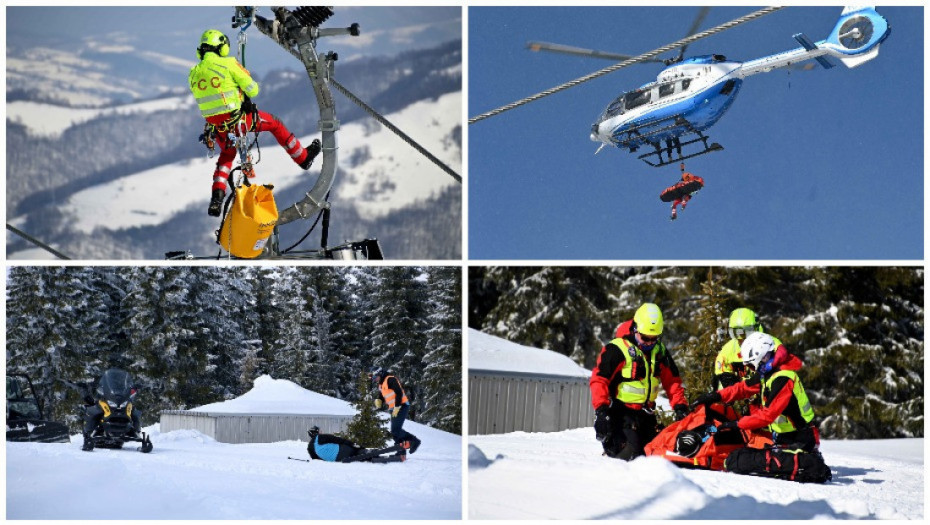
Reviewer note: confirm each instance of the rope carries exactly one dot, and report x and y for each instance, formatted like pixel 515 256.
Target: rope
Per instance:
pixel 368 109
pixel 610 69
pixel 38 243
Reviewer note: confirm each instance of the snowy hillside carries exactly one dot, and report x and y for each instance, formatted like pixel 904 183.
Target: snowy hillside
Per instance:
pixel 50 120
pixel 92 74
pixel 378 173
pixel 563 476
pixel 191 476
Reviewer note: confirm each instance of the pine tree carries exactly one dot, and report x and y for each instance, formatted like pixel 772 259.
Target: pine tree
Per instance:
pixel 365 428
pixel 442 375
pixel 696 356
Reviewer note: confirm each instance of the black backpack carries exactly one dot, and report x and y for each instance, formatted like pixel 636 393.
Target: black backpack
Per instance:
pixel 803 467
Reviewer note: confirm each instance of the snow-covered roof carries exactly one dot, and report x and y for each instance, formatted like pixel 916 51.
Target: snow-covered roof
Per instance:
pixel 279 396
pixel 489 353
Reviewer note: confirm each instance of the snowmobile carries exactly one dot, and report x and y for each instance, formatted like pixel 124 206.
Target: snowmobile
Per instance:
pixel 116 424
pixel 24 418
pixel 695 441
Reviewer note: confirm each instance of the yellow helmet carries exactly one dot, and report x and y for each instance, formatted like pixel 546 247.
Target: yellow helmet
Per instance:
pixel 742 323
pixel 213 41
pixel 648 319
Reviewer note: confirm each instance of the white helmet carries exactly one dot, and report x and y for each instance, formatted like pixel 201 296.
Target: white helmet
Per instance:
pixel 756 349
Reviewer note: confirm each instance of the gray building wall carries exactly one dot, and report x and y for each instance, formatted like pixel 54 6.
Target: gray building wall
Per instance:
pixel 251 428
pixel 500 402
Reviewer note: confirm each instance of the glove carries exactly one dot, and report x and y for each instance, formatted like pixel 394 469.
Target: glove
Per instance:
pixel 395 411
pixel 248 106
pixel 707 398
pixel 681 411
pixel 727 425
pixel 601 424
pixel 378 404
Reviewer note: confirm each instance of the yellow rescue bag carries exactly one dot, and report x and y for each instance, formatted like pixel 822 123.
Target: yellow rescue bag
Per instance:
pixel 250 221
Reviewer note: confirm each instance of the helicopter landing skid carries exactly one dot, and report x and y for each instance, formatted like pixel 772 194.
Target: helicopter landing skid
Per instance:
pixel 714 146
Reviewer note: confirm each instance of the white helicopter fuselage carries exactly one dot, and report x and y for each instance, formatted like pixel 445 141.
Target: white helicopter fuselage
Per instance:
pixel 692 95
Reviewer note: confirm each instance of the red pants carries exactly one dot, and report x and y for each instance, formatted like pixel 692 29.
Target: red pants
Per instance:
pixel 266 122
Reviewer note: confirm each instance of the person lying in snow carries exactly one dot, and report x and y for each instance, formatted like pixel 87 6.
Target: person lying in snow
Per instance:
pixel 328 447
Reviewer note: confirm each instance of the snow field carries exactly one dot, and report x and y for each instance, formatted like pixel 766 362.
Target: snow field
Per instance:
pixel 395 176
pixel 191 476
pixel 563 476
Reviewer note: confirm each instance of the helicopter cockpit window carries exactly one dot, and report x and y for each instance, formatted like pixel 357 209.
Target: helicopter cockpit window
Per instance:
pixel 615 108
pixel 666 89
pixel 685 83
pixel 637 98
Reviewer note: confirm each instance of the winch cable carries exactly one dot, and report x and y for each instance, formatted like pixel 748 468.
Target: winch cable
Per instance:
pixel 610 69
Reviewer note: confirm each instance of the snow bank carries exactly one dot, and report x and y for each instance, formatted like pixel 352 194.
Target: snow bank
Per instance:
pixel 279 396
pixel 564 476
pixel 486 352
pixel 190 476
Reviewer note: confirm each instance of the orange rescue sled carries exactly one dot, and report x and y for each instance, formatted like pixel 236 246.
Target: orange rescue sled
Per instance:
pixel 715 445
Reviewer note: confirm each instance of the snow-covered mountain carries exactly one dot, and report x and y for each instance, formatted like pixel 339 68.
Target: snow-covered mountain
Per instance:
pixel 190 476
pixel 130 180
pixel 563 475
pixel 93 75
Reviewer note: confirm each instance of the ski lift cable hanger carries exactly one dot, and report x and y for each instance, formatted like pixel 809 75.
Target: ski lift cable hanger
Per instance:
pixel 635 60
pixel 371 111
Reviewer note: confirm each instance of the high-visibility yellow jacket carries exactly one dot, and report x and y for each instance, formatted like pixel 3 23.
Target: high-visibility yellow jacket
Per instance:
pixel 218 84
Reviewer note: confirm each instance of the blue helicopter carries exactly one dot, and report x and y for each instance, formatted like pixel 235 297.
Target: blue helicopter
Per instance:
pixel 691 95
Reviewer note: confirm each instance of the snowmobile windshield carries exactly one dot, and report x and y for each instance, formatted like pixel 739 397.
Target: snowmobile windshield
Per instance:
pixel 115 386
pixel 20 402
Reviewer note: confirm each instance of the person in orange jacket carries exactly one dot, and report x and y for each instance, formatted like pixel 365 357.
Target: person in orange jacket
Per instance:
pixel 391 396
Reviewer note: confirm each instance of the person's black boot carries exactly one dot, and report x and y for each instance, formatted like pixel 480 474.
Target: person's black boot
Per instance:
pixel 216 203
pixel 414 443
pixel 312 152
pixel 88 443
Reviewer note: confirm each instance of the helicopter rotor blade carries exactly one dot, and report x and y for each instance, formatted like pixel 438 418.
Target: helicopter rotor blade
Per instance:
pixel 578 51
pixel 702 14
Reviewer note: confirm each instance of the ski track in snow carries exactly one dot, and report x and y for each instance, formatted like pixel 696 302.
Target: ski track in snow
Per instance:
pixel 563 476
pixel 191 476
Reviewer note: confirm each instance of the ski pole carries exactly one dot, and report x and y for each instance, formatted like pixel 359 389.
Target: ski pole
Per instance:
pixel 298 459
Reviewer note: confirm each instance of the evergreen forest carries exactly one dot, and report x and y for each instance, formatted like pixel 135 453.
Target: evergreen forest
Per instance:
pixel 196 335
pixel 858 330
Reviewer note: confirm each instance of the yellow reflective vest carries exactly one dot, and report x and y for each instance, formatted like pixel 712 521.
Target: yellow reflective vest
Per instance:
pixel 782 424
pixel 218 84
pixel 638 391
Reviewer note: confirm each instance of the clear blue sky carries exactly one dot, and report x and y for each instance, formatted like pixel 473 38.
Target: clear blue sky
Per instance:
pixel 823 164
